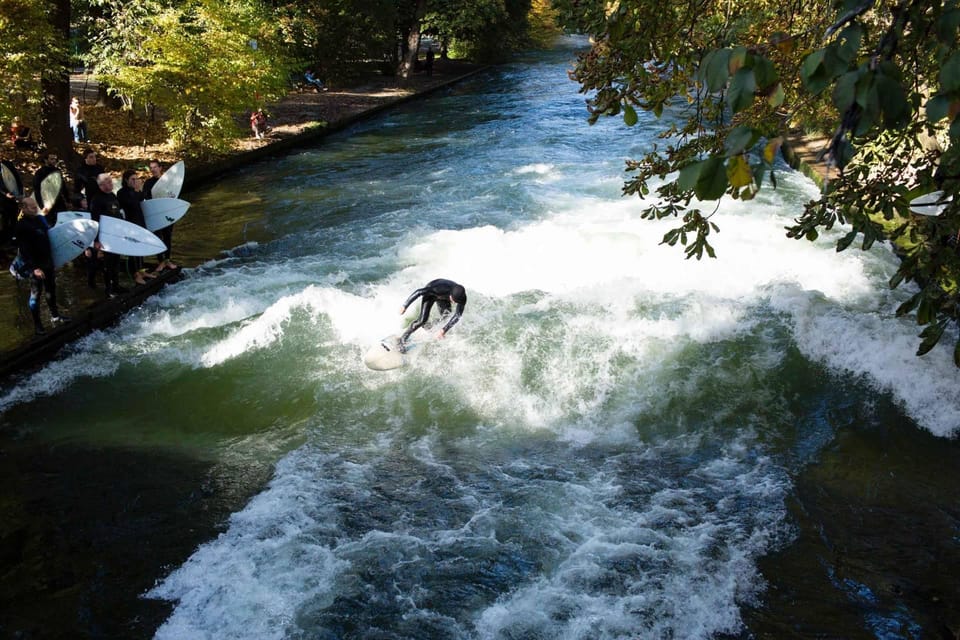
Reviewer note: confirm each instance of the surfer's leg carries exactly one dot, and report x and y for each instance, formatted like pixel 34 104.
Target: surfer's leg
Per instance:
pixel 36 288
pixel 50 284
pixel 425 307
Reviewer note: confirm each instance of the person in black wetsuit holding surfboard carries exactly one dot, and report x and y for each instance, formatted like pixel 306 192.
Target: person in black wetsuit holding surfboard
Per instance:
pixel 35 262
pixel 443 293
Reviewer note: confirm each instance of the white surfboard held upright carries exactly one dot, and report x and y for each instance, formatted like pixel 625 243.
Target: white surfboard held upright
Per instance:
pixel 68 238
pixel 170 183
pixel 128 239
pixel 159 213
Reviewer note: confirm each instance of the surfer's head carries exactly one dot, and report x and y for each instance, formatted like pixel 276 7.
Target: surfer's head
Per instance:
pixel 105 182
pixel 130 178
pixel 29 206
pixel 458 294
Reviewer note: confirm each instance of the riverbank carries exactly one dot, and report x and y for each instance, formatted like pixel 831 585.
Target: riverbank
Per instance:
pixel 301 119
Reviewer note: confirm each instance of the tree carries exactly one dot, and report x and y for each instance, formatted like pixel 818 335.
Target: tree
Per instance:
pixel 200 62
pixel 33 63
pixel 884 81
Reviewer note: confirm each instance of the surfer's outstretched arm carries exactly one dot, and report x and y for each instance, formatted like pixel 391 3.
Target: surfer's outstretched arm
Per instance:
pixel 413 296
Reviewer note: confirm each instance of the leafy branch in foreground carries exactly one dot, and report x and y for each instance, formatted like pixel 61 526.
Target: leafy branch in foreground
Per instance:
pixel 731 81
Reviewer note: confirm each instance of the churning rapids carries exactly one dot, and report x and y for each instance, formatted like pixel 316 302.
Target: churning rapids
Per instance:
pixel 608 445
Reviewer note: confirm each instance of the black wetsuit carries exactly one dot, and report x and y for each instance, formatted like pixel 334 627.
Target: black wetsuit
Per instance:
pixel 34 245
pixel 130 200
pixel 106 204
pixel 86 179
pixel 436 292
pixel 165 234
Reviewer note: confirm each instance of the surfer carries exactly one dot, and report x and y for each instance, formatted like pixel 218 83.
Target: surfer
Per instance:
pixel 441 292
pixel 130 197
pixel 35 262
pixel 165 234
pixel 87 173
pixel 105 203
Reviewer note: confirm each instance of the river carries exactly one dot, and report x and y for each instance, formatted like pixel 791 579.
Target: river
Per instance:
pixel 614 442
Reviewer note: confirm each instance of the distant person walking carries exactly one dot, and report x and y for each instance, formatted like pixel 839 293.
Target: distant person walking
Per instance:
pixel 77 124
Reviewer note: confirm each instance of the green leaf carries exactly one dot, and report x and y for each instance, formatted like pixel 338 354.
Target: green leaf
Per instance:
pixel 738 58
pixel 776 98
pixel 742 88
pixel 629 115
pixel 714 71
pixel 849 42
pixel 844 92
pixel 846 241
pixel 955 130
pixel 925 311
pixel 931 336
pixel 893 100
pixel 764 71
pixel 938 107
pixel 812 72
pixel 909 305
pixel 950 73
pixel 689 175
pixel 740 139
pixel 712 182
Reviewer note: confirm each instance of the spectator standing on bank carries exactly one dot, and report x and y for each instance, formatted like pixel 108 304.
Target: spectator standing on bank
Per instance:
pixel 130 196
pixel 104 203
pixel 77 124
pixel 165 234
pixel 258 123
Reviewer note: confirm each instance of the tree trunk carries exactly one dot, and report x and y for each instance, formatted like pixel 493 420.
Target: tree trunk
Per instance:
pixel 55 132
pixel 408 63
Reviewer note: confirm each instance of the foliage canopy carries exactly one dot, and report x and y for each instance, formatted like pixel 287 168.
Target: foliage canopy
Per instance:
pixel 882 78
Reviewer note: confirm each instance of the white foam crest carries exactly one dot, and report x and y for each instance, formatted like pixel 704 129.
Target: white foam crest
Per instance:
pixel 251 581
pixel 59 375
pixel 540 168
pixel 587 249
pixel 630 569
pixel 871 343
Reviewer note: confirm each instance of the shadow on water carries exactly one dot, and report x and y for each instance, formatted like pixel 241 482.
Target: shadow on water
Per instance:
pixel 78 545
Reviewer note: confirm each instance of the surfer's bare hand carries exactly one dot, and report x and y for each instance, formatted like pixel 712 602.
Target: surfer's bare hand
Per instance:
pixel 403 310
pixel 440 334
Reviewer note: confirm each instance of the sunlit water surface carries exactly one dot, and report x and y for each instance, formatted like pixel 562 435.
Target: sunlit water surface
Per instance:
pixel 604 447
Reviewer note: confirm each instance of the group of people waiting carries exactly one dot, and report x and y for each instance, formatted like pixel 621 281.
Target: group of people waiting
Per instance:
pixel 27 218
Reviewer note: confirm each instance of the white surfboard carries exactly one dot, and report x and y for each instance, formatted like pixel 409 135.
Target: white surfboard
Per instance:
pixel 169 184
pixel 386 355
pixel 68 239
pixel 930 204
pixel 159 213
pixel 69 216
pixel 10 181
pixel 128 239
pixel 50 188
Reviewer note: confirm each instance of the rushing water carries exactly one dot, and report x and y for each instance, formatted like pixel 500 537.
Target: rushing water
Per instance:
pixel 614 442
